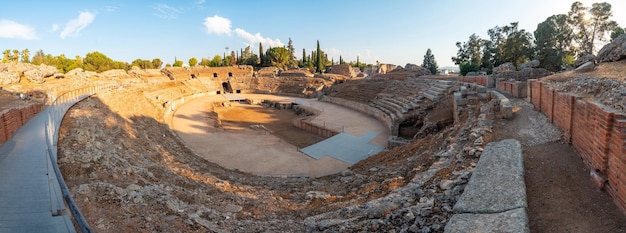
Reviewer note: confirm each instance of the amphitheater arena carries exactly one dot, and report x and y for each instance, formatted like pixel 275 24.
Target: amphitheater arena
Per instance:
pixel 230 149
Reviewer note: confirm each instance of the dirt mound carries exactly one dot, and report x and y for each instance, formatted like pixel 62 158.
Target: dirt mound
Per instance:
pixel 606 84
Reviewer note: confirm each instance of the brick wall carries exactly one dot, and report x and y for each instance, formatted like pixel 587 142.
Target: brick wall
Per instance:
pixel 597 133
pixel 564 113
pixel 12 119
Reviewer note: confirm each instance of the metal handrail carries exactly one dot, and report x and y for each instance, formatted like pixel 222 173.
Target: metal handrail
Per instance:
pixel 56 110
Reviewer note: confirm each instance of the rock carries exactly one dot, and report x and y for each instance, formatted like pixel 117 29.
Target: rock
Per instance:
pixel 509 221
pixel 504 68
pixel 346 172
pixel 116 73
pixel 479 141
pixel 446 184
pixel 34 76
pixel 588 66
pixel 47 71
pixel 77 73
pixel 497 183
pixel 316 195
pixel 597 179
pixel 421 70
pixel 8 78
pixel 584 59
pixel 613 51
pixel 531 64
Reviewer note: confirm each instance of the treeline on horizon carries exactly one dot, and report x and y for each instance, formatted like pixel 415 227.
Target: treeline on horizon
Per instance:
pixel 281 57
pixel 556 43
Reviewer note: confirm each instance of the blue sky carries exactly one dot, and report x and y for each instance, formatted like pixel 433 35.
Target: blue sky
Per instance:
pixel 396 31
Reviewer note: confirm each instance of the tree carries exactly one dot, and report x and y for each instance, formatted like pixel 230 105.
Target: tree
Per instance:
pixel 553 39
pixel 39 57
pixel 429 62
pixel 233 58
pixel 205 62
pixel 261 55
pixel 279 57
pixel 193 61
pixel 98 62
pixel 6 56
pixel 248 58
pixel 318 59
pixel 177 63
pixel 469 51
pixel 16 56
pixel 590 25
pixel 293 62
pixel 143 64
pixel 157 63
pixel 517 48
pixel 25 56
pixel 467 66
pixel 216 61
pixel 618 31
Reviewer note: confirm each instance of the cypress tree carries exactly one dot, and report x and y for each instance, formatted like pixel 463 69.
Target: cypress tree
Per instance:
pixel 261 57
pixel 318 59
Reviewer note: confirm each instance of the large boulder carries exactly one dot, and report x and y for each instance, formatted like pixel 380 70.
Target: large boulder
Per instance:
pixel 613 51
pixel 115 73
pixel 584 59
pixel 531 64
pixel 38 74
pixel 588 66
pixel 8 78
pixel 48 71
pixel 34 76
pixel 420 70
pixel 77 73
pixel 506 67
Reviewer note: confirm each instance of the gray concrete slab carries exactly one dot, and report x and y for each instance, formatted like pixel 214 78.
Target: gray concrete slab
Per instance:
pixel 497 183
pixel 345 147
pixel 510 221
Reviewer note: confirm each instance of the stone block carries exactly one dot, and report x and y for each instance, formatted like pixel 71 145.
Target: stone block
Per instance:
pixel 510 221
pixel 497 183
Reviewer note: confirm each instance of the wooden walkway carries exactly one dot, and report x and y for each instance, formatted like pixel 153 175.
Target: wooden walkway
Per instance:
pixel 30 198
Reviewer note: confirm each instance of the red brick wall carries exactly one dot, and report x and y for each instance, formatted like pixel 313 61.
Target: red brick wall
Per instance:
pixel 563 113
pixel 617 161
pixel 547 101
pixel 596 132
pixel 591 134
pixel 12 119
pixel 535 99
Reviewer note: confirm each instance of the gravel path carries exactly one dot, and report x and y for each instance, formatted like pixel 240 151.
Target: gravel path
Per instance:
pixel 560 195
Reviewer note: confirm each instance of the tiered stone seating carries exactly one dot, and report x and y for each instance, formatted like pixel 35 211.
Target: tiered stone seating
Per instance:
pixel 436 89
pixel 195 85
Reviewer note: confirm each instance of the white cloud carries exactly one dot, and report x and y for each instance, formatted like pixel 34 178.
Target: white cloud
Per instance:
pixel 165 11
pixel 14 30
pixel 256 38
pixel 200 2
pixel 217 25
pixel 74 26
pixel 221 26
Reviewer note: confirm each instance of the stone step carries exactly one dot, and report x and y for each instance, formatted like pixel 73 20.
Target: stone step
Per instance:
pixel 432 97
pixel 390 106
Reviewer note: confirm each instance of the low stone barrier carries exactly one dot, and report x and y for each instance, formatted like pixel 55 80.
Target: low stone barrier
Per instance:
pixel 494 200
pixel 369 110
